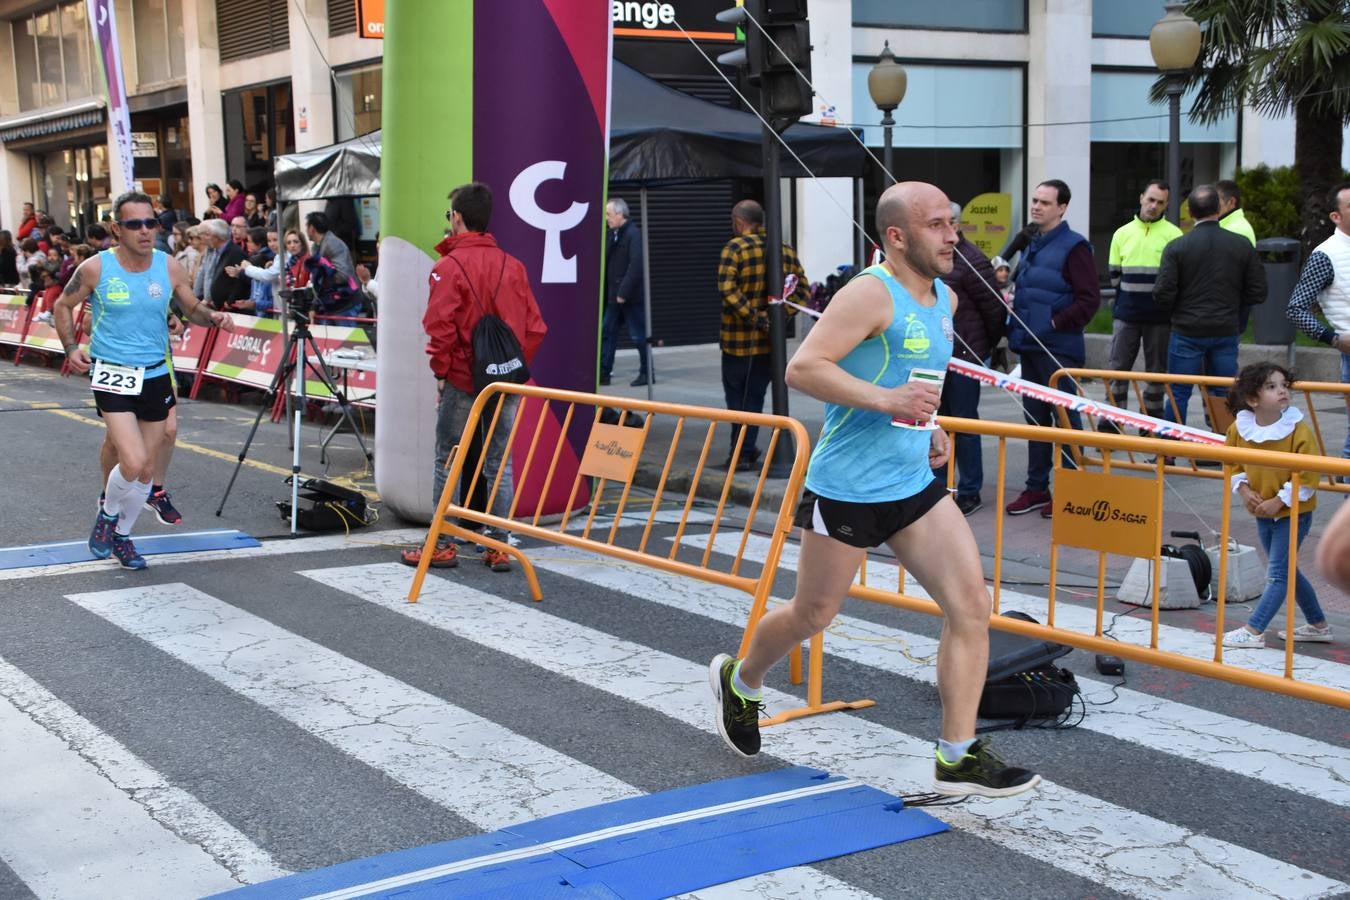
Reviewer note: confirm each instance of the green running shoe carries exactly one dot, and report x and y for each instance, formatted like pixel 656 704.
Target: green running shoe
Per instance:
pixel 980 773
pixel 737 718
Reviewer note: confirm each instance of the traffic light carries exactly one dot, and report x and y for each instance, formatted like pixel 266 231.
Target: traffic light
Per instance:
pixel 780 41
pixel 784 94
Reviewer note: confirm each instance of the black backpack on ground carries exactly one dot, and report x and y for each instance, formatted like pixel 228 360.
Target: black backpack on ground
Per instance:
pixel 496 352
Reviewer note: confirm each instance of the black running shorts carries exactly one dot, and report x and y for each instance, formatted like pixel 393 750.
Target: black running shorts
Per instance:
pixel 152 404
pixel 866 524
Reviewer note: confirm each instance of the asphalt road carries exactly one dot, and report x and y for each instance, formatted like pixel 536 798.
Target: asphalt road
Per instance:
pixel 221 719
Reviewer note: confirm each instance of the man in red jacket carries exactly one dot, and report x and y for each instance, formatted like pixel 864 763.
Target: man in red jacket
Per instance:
pixel 473 276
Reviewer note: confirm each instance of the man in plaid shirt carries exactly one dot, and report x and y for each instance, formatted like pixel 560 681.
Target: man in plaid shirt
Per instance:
pixel 747 367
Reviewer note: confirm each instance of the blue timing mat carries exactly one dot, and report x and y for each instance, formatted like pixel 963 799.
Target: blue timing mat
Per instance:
pixel 644 847
pixel 148 545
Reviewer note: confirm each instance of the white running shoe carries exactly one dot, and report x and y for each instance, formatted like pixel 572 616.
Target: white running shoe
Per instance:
pixel 46 318
pixel 1306 632
pixel 1241 638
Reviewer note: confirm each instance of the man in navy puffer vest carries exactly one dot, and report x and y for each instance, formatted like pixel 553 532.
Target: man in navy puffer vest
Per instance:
pixel 1057 295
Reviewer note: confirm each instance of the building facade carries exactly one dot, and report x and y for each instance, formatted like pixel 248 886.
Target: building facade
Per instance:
pixel 1001 95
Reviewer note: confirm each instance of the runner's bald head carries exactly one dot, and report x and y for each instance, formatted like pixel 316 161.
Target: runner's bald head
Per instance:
pixel 897 205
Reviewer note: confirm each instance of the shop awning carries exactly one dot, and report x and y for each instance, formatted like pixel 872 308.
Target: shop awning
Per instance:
pixel 52 121
pixel 657 135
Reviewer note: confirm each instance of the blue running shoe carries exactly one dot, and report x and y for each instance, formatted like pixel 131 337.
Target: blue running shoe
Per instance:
pixel 101 538
pixel 126 554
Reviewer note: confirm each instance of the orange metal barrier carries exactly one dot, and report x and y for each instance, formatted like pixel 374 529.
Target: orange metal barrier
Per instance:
pixel 1147 494
pixel 1215 406
pixel 614 452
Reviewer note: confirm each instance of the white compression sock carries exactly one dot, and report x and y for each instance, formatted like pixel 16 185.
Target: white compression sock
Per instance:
pixel 132 505
pixel 115 491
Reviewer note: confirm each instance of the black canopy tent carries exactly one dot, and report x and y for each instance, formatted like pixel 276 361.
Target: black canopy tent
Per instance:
pixel 658 136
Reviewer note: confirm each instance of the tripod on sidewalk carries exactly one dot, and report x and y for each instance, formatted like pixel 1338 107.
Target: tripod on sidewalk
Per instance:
pixel 296 361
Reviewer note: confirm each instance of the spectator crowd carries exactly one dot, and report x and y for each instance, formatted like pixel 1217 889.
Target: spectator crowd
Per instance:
pixel 237 255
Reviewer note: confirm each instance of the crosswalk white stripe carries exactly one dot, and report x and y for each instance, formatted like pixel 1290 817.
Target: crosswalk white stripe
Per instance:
pixel 274 547
pixel 169 805
pixel 1129 629
pixel 70 832
pixel 1311 767
pixel 1129 851
pixel 443 752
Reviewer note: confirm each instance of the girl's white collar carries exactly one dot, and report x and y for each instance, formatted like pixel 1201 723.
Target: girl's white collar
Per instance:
pixel 1276 431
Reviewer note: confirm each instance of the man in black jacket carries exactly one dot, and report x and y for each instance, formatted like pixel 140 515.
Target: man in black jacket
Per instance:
pixel 224 289
pixel 980 321
pixel 1205 278
pixel 623 291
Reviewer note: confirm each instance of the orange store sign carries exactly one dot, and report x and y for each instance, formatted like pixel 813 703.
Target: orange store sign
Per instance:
pixel 370 18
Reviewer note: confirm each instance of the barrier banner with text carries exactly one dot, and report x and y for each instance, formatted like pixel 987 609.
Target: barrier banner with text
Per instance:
pixel 13 310
pixel 249 354
pixel 190 346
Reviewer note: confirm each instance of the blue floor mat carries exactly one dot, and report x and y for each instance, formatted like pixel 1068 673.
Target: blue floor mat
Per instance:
pixel 644 847
pixel 148 545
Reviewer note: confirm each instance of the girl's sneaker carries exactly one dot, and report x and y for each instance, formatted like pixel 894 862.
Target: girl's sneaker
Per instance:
pixel 1241 638
pixel 1306 632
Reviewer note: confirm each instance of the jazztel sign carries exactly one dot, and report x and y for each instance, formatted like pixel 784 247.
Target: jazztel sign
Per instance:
pixel 1110 513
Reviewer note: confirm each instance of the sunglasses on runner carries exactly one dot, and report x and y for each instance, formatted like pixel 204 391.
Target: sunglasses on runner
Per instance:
pixel 138 224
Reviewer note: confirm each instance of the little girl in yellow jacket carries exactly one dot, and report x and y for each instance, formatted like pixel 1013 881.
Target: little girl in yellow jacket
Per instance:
pixel 1265 421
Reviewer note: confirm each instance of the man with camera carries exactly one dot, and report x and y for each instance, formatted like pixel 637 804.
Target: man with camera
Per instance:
pixel 474 277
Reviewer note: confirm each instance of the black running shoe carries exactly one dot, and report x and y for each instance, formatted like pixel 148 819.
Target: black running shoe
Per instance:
pixel 159 504
pixel 980 773
pixel 737 718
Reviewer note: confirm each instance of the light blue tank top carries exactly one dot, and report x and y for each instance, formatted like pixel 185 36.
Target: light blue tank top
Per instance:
pixel 861 457
pixel 129 310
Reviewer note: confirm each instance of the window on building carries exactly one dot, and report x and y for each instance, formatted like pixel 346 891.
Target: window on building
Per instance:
pixel 77 53
pixel 53 57
pixel 257 129
pixel 158 27
pixel 958 127
pixel 961 15
pixel 341 17
pixel 150 21
pixel 251 28
pixel 360 98
pixel 1112 18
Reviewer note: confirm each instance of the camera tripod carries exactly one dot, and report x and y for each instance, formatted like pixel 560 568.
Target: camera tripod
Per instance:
pixel 295 361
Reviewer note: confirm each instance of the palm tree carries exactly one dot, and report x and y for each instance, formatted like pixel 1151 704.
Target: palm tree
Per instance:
pixel 1279 56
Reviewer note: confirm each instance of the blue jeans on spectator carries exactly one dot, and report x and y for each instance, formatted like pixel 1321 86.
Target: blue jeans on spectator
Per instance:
pixel 452 414
pixel 1038 367
pixel 633 315
pixel 961 397
pixel 1191 355
pixel 745 379
pixel 1274 537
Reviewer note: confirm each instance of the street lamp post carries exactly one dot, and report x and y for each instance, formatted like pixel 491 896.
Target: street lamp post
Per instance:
pixel 1174 42
pixel 886 83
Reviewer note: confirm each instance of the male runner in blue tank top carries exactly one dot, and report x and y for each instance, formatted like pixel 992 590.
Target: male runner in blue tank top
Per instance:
pixel 870 482
pixel 129 288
